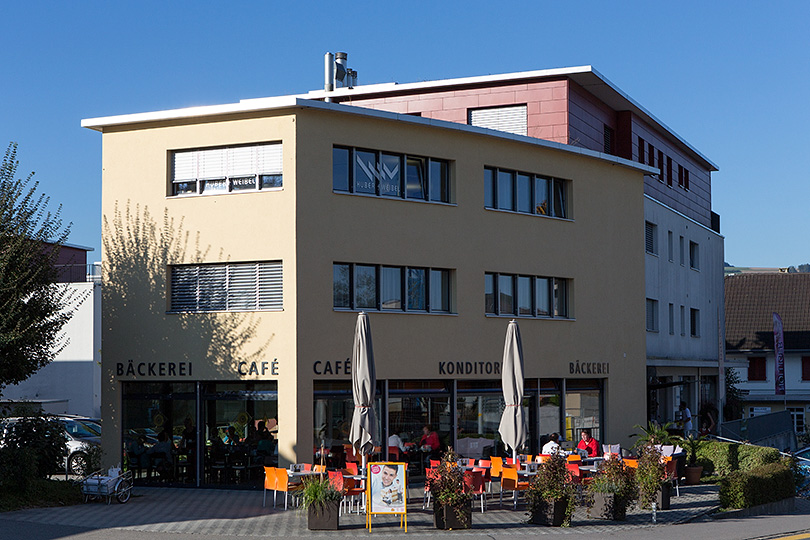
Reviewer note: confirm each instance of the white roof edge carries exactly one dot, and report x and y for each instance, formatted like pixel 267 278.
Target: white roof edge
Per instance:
pixel 190 112
pixel 77 246
pixel 255 104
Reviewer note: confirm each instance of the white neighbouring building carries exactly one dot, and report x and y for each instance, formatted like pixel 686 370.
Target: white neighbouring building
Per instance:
pixel 71 384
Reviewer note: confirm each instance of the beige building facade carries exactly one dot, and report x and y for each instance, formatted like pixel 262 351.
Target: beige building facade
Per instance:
pixel 241 241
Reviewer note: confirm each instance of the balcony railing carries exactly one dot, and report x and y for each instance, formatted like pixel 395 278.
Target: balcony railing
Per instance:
pixel 77 273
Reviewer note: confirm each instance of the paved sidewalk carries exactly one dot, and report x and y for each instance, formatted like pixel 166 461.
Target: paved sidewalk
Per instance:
pixel 240 513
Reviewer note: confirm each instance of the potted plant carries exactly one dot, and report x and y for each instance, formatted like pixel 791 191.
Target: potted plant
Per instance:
pixel 452 494
pixel 322 502
pixel 654 433
pixel 692 471
pixel 653 486
pixel 612 490
pixel 552 494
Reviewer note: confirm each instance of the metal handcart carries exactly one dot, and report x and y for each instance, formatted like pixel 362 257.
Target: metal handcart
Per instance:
pixel 113 485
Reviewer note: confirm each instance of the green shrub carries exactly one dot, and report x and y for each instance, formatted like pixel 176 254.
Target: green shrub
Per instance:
pixel 45 437
pixel 718 458
pixel 751 457
pixel 768 483
pixel 18 469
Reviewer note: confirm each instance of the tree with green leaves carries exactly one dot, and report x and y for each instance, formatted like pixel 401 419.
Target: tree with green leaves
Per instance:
pixel 33 306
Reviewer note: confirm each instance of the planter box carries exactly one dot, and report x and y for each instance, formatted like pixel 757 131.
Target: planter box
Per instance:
pixel 446 517
pixel 550 513
pixel 324 517
pixel 606 506
pixel 662 498
pixel 693 475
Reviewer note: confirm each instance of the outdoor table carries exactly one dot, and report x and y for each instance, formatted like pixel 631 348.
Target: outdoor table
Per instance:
pixel 527 473
pixel 592 469
pixel 592 460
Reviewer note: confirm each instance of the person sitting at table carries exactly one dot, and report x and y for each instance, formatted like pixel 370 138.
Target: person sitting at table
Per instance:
pixel 553 445
pixel 231 437
pixel 396 440
pixel 160 457
pixel 588 443
pixel 430 440
pixel 265 449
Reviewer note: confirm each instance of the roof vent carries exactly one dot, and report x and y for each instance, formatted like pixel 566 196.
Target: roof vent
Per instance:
pixel 337 73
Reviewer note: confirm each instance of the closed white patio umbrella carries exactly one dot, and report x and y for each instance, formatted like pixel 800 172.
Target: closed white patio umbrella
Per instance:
pixel 364 384
pixel 513 425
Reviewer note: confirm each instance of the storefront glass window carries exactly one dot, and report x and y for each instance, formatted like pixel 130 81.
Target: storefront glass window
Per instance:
pixel 583 408
pixel 333 410
pixel 235 453
pixel 153 420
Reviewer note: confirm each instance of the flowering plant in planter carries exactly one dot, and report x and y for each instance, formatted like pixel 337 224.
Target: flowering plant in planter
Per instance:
pixel 450 489
pixel 613 490
pixel 650 474
pixel 552 493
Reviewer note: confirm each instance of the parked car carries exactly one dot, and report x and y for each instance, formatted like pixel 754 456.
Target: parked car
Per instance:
pixel 79 436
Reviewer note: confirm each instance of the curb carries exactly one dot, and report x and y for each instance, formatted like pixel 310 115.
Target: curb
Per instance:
pixel 785 506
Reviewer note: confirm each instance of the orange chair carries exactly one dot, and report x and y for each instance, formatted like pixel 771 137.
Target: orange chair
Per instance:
pixel 475 479
pixel 495 470
pixel 393 453
pixel 510 482
pixel 573 457
pixel 283 484
pixel 632 463
pixel 269 483
pixel 319 468
pixel 336 481
pixel 352 467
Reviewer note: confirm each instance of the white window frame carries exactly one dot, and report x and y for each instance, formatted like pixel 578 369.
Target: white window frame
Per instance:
pixel 230 166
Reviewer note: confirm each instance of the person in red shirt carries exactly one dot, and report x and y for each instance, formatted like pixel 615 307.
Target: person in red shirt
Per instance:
pixel 588 443
pixel 430 439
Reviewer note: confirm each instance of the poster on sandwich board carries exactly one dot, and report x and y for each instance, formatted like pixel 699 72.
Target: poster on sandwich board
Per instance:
pixel 387 490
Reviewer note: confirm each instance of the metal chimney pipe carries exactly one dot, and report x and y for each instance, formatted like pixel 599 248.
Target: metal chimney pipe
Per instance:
pixel 341 68
pixel 352 78
pixel 328 73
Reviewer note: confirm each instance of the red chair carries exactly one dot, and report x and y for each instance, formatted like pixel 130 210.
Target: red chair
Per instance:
pixel 434 463
pixel 352 488
pixel 393 453
pixel 486 465
pixel 352 467
pixel 671 471
pixel 475 479
pixel 576 474
pixel 307 467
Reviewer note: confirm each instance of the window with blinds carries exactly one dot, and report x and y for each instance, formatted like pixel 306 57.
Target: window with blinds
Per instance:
pixel 512 119
pixel 226 287
pixel 226 170
pixel 652 315
pixel 650 238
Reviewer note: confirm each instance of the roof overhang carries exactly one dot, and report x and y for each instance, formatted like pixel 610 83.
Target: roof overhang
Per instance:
pixel 291 102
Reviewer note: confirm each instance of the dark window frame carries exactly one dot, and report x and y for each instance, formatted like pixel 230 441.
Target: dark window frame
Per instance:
pixel 557 296
pixel 429 184
pixel 555 202
pixel 447 295
pixel 757 368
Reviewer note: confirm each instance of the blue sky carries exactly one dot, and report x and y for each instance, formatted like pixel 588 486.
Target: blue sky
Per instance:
pixel 732 78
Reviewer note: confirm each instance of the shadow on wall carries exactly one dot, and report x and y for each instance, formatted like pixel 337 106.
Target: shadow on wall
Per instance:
pixel 138 252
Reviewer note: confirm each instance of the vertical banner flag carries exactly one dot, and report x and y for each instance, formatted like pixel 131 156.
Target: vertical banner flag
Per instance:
pixel 779 351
